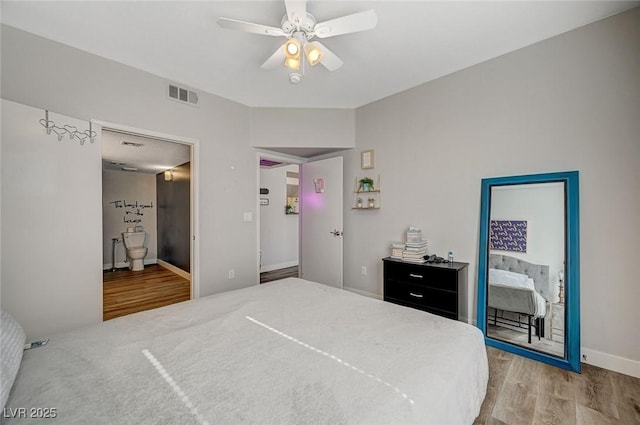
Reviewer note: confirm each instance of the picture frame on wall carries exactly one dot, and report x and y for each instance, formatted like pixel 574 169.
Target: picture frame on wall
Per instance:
pixel 367 159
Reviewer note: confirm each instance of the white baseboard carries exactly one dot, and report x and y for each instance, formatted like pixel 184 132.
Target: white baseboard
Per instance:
pixel 363 293
pixel 272 267
pixel 123 264
pixel 611 362
pixel 174 269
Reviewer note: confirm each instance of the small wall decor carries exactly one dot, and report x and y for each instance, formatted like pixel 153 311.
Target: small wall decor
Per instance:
pixel 366 184
pixel 367 159
pixel 319 185
pixel 133 211
pixel 508 235
pixel 367 194
pixel 264 201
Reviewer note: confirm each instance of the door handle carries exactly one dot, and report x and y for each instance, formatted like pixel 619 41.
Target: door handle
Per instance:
pixel 336 232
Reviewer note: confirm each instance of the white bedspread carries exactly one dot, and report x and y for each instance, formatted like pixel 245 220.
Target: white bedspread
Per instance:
pixel 288 352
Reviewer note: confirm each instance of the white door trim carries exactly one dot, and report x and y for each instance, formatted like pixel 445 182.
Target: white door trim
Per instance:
pixel 195 180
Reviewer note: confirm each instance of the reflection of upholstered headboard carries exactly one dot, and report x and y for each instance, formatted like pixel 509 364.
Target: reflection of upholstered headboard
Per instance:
pixel 537 272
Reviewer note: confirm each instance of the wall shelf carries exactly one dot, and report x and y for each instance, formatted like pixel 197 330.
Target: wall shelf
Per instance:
pixel 366 199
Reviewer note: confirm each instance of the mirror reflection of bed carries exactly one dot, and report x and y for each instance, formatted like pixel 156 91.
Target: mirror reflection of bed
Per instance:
pixel 517 312
pixel 525 266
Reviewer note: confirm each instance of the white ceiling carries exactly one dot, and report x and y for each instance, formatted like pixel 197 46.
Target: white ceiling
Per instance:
pixel 153 157
pixel 414 42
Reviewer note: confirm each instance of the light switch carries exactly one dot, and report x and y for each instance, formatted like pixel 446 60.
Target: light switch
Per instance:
pixel 248 216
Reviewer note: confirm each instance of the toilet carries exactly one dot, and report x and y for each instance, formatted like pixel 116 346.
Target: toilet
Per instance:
pixel 134 244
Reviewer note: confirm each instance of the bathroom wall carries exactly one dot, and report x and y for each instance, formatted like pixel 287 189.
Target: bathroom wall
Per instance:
pixel 174 217
pixel 121 192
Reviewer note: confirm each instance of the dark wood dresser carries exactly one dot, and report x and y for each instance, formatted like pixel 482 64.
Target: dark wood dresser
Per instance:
pixel 438 288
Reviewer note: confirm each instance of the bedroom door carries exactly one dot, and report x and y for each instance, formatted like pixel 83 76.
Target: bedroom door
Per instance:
pixel 321 200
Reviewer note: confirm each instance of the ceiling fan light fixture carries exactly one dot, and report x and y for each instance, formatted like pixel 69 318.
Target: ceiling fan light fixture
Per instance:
pixel 292 54
pixel 292 48
pixel 313 54
pixel 299 27
pixel 292 63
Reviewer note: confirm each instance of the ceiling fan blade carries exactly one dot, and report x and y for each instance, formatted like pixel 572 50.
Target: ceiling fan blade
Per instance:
pixel 276 59
pixel 296 11
pixel 233 24
pixel 360 21
pixel 329 59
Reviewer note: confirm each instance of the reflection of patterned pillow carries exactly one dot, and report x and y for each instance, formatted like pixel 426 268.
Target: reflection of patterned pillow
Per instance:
pixel 12 339
pixel 508 278
pixel 508 235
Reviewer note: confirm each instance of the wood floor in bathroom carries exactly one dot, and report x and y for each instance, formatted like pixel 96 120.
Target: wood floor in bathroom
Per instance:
pixel 126 292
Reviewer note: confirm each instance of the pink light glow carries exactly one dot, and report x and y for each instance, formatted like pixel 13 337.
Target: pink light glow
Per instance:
pixel 313 200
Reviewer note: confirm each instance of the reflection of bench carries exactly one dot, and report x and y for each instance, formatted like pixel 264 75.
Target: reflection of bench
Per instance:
pixel 522 301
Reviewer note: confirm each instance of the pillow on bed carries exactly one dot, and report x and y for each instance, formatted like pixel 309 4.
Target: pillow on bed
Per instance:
pixel 508 278
pixel 12 339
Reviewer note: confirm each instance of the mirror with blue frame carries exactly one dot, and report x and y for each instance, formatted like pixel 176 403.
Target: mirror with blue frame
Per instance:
pixel 528 267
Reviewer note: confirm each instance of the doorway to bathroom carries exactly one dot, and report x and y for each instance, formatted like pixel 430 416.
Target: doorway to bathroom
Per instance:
pixel 147 187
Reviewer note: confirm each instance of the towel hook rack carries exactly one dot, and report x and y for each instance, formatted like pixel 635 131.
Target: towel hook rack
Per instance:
pixel 71 130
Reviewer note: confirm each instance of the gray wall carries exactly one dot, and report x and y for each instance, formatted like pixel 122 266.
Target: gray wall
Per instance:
pixel 286 127
pixel 568 103
pixel 51 224
pixel 130 187
pixel 174 217
pixel 45 74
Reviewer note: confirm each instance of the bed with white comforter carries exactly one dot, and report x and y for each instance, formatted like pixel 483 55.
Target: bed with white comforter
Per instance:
pixel 288 352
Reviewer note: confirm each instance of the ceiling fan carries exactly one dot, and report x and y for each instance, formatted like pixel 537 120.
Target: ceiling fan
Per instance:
pixel 300 27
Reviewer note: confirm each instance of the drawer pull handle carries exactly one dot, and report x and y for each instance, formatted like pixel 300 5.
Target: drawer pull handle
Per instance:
pixel 419 276
pixel 416 295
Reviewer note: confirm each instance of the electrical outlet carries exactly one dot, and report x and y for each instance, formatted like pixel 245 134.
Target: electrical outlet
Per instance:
pixel 232 274
pixel 364 270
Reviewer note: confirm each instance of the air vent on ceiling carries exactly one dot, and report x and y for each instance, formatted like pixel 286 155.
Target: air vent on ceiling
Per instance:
pixel 266 163
pixel 183 95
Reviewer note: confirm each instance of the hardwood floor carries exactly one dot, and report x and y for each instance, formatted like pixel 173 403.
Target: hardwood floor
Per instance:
pixel 546 345
pixel 126 292
pixel 278 274
pixel 523 391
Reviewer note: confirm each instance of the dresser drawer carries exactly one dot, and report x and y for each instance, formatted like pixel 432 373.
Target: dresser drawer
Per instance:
pixel 422 297
pixel 436 288
pixel 419 275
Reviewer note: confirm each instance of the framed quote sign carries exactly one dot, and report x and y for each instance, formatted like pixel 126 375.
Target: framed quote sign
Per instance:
pixel 367 159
